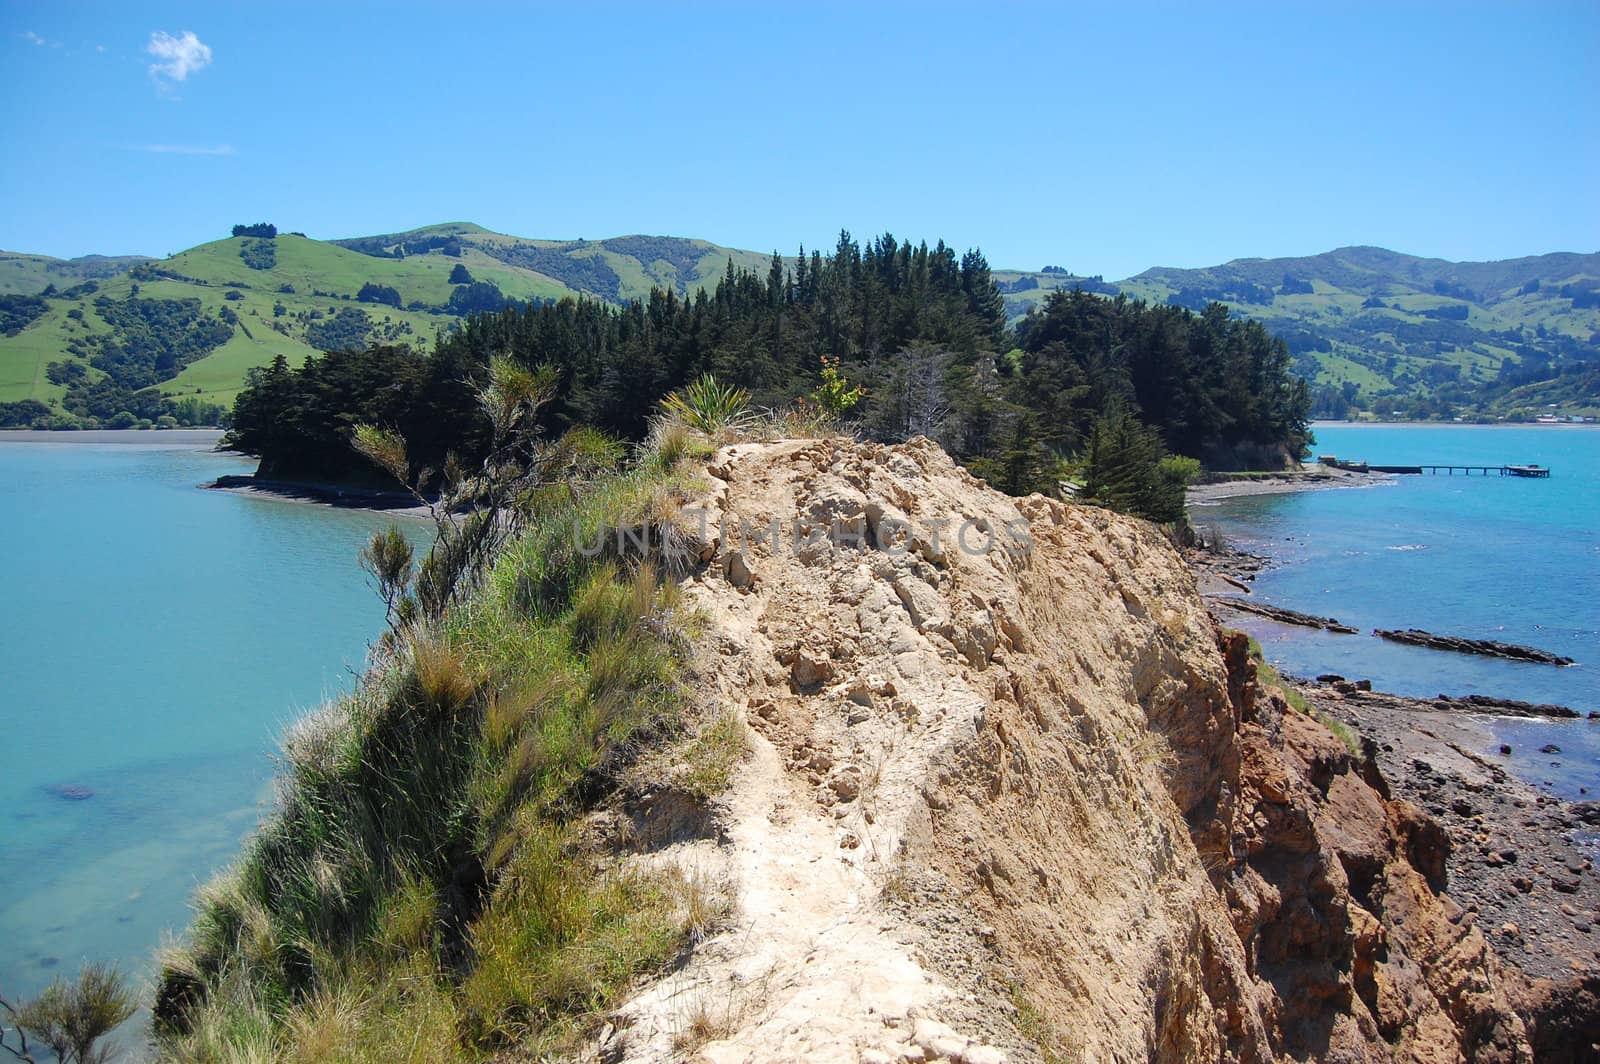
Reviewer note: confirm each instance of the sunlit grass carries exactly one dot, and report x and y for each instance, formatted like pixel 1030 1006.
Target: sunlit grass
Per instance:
pixel 424 890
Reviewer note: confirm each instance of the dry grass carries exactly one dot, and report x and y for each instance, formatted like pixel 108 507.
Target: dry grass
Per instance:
pixel 706 1017
pixel 443 679
pixel 705 901
pixel 895 886
pixel 709 760
pixel 1054 1046
pixel 801 420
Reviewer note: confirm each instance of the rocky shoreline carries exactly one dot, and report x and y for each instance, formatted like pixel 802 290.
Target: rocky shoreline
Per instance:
pixel 1222 569
pixel 1519 862
pixel 1284 616
pixel 1312 477
pixel 203 438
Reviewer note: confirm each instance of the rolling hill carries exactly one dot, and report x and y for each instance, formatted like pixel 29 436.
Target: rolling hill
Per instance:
pixel 239 302
pixel 1377 330
pixel 28 275
pixel 1374 331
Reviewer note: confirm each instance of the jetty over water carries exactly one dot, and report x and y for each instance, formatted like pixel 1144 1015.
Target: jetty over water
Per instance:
pixel 1438 470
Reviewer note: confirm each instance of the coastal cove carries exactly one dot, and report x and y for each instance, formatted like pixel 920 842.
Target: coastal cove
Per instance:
pixel 157 638
pixel 1500 558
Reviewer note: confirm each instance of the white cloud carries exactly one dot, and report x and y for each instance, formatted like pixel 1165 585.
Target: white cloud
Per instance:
pixel 100 48
pixel 177 57
pixel 33 38
pixel 189 149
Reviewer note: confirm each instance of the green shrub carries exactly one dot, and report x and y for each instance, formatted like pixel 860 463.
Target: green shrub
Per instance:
pixel 708 407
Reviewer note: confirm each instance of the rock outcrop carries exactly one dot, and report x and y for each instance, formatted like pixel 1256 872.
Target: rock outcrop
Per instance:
pixel 1488 647
pixel 1284 616
pixel 1011 795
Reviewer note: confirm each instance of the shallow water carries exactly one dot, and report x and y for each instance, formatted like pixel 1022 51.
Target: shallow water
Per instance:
pixel 1488 557
pixel 154 641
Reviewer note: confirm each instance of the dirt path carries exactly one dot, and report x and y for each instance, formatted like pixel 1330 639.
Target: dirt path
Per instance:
pixel 814 967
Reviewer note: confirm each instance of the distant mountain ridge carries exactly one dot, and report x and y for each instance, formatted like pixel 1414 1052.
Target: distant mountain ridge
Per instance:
pixel 1372 329
pixel 615 269
pixel 28 275
pixel 1382 331
pixel 1354 266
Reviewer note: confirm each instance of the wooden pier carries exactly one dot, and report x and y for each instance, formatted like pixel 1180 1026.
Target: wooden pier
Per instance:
pixel 1439 470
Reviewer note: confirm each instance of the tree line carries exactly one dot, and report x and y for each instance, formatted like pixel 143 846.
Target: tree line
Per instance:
pixel 922 328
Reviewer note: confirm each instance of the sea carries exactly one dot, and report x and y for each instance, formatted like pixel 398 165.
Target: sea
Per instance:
pixel 155 640
pixel 1487 557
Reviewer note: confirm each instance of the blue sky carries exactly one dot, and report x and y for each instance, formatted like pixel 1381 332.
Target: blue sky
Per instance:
pixel 1102 138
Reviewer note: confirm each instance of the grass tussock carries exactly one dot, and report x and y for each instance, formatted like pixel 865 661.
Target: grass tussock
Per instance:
pixel 424 890
pixel 719 411
pixel 800 420
pixel 1055 1047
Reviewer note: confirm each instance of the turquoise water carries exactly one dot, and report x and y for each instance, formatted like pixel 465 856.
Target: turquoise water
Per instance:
pixel 1492 558
pixel 155 639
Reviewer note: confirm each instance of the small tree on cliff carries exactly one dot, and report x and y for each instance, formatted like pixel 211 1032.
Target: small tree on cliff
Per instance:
pixel 388 558
pixel 476 510
pixel 70 1018
pixel 835 395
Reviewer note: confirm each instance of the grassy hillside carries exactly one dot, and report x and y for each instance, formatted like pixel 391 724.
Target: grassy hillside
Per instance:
pixel 1375 331
pixel 295 296
pixel 28 275
pixel 616 269
pixel 430 885
pixel 1384 332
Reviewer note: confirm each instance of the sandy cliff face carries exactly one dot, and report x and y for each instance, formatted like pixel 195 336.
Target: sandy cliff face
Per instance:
pixel 1010 795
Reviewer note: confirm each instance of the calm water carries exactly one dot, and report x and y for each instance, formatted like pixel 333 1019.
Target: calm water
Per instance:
pixel 1491 558
pixel 155 639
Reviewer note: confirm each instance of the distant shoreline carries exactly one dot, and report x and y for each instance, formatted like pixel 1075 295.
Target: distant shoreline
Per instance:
pixel 116 437
pixel 395 503
pixel 1453 425
pixel 1313 477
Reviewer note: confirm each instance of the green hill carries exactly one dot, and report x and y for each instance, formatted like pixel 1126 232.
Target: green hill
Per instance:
pixel 1380 331
pixel 1373 330
pixel 193 324
pixel 616 269
pixel 28 275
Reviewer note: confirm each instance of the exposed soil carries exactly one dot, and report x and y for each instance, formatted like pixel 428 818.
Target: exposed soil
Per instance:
pixel 1027 803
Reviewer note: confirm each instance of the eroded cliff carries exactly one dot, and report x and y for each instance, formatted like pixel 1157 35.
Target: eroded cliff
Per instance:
pixel 1010 794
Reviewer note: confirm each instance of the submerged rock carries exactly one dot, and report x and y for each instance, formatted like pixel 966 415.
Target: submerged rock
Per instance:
pixel 71 792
